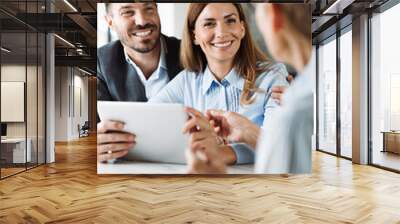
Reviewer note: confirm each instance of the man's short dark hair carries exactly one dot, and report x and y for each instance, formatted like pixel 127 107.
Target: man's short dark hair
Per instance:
pixel 108 6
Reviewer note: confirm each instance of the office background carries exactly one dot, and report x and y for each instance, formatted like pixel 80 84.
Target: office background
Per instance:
pixel 22 79
pixel 358 94
pixel 340 190
pixel 48 82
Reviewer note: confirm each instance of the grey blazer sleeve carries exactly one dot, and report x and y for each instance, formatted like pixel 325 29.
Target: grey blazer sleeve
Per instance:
pixel 102 90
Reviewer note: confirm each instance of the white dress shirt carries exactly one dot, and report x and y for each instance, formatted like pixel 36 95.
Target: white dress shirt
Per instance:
pixel 158 79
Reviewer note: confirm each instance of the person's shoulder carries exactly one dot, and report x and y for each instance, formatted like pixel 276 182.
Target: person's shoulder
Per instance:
pixel 172 46
pixel 111 54
pixel 271 72
pixel 110 58
pixel 172 38
pixel 186 75
pixel 112 47
pixel 266 67
pixel 188 79
pixel 298 103
pixel 171 41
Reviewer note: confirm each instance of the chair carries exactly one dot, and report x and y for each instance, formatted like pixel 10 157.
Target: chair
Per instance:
pixel 84 130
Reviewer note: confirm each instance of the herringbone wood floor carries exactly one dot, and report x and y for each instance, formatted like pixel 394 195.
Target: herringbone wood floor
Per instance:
pixel 70 191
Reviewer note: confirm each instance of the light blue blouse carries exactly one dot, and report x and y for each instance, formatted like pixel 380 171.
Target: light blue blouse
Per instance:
pixel 285 145
pixel 203 92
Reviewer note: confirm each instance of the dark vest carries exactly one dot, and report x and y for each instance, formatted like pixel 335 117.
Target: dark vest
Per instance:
pixel 117 80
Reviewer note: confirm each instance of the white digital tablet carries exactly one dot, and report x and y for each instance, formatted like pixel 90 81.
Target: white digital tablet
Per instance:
pixel 158 129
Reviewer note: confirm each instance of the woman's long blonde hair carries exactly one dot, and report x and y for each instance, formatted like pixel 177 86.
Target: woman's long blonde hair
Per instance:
pixel 245 61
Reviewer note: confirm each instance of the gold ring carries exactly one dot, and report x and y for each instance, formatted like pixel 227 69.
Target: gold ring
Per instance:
pixel 220 141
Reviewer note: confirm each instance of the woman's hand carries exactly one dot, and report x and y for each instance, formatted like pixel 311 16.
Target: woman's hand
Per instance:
pixel 203 155
pixel 234 127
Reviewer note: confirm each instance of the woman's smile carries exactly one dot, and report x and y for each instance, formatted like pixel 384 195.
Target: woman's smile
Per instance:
pixel 219 31
pixel 222 44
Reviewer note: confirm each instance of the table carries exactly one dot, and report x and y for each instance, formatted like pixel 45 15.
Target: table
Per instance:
pixel 129 167
pixel 15 148
pixel 391 141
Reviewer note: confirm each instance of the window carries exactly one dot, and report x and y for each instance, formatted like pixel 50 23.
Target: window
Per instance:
pixel 394 101
pixel 385 88
pixel 22 75
pixel 346 94
pixel 327 97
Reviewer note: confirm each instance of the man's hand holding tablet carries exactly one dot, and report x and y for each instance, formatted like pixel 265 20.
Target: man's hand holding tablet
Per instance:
pixel 154 131
pixel 112 141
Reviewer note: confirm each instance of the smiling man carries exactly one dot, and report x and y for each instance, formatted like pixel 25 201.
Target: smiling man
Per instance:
pixel 134 68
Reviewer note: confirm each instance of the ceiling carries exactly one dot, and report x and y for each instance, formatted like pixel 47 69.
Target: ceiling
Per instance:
pixel 74 22
pixel 330 15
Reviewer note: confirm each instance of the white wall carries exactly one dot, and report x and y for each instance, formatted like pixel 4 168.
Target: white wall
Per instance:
pixel 33 126
pixel 102 30
pixel 17 73
pixel 61 103
pixel 12 101
pixel 14 73
pixel 69 82
pixel 80 102
pixel 172 16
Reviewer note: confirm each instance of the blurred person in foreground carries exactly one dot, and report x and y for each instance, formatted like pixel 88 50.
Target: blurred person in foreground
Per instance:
pixel 284 146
